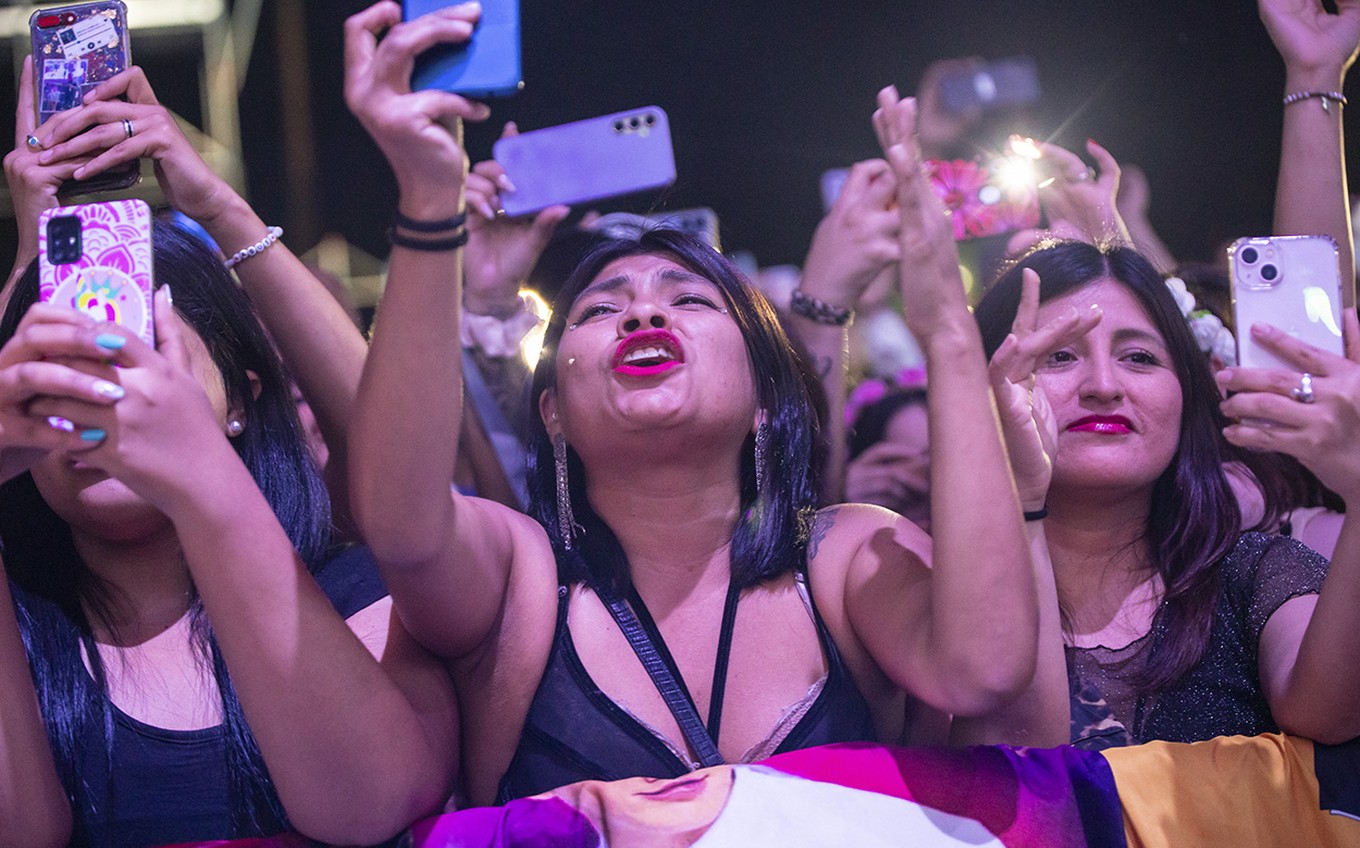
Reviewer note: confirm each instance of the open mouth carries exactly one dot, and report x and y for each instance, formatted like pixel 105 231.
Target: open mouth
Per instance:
pixel 648 352
pixel 1115 425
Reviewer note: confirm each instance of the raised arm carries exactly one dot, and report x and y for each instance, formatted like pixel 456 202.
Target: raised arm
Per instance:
pixel 322 348
pixel 939 646
pixel 854 243
pixel 1308 647
pixel 446 559
pixel 1318 48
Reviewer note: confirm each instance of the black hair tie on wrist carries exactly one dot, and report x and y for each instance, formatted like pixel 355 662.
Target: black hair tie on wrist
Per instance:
pixel 453 242
pixel 440 226
pixel 1037 515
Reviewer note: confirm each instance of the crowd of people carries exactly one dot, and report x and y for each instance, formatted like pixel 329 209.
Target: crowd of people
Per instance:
pixel 1072 522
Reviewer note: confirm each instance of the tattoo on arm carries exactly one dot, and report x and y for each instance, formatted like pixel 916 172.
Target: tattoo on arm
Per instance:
pixel 821 525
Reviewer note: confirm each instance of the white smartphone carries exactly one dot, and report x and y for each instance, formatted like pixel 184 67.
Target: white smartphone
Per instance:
pixel 587 160
pixel 1290 282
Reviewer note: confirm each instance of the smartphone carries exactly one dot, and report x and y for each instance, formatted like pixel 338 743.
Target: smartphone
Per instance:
pixel 75 48
pixel 96 258
pixel 488 65
pixel 700 222
pixel 1004 82
pixel 831 183
pixel 989 196
pixel 1291 282
pixel 587 160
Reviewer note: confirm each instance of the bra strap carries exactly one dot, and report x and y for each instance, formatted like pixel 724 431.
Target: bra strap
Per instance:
pixel 667 681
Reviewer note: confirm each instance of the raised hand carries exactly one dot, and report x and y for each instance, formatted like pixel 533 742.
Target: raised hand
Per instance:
pixel 501 250
pixel 932 285
pixel 1319 426
pixel 1311 40
pixel 419 132
pixel 163 436
pixel 857 239
pixel 35 367
pixel 1026 418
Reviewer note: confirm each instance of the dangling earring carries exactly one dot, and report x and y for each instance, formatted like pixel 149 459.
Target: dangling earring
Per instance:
pixel 235 428
pixel 762 442
pixel 566 521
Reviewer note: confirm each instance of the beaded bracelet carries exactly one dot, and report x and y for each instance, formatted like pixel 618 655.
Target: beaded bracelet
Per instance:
pixel 453 242
pixel 417 226
pixel 819 312
pixel 1327 98
pixel 258 247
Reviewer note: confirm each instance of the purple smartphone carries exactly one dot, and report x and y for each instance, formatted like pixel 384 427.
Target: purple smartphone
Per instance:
pixel 587 160
pixel 96 258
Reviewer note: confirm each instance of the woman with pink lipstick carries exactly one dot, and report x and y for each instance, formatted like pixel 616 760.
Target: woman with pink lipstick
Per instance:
pixel 679 600
pixel 1178 626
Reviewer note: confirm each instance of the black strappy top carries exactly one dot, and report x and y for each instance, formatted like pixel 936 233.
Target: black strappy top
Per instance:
pixel 574 731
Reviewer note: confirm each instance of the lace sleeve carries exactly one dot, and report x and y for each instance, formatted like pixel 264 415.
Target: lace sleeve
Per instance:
pixel 1263 572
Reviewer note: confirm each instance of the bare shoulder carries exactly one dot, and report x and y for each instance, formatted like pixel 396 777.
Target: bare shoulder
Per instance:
pixel 842 532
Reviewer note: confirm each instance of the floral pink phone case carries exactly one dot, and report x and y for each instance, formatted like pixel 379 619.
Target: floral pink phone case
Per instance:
pixel 97 258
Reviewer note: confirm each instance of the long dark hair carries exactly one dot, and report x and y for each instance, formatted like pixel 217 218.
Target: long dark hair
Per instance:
pixel 53 587
pixel 1194 519
pixel 772 532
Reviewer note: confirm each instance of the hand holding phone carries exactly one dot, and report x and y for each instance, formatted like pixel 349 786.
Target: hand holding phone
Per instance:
pixel 96 258
pixel 75 48
pixel 488 65
pixel 1292 283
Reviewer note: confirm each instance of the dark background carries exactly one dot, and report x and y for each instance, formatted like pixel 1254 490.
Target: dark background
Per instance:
pixel 763 97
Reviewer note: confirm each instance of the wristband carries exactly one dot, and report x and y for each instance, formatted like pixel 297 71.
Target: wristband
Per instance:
pixel 440 226
pixel 258 247
pixel 1327 98
pixel 436 245
pixel 819 312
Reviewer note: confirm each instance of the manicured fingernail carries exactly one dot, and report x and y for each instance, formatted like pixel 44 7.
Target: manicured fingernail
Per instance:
pixel 110 341
pixel 112 391
pixel 504 182
pixel 169 295
pixel 56 422
pixel 92 435
pixel 1264 331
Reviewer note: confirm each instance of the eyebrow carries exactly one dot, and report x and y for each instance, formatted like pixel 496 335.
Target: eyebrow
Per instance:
pixel 669 275
pixel 1132 334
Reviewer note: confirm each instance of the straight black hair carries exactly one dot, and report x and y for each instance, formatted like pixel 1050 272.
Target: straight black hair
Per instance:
pixel 771 535
pixel 1194 519
pixel 53 587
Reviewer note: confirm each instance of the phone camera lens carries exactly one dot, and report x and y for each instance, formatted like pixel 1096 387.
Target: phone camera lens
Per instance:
pixel 649 118
pixel 1249 255
pixel 618 126
pixel 63 238
pixel 634 122
pixel 1269 273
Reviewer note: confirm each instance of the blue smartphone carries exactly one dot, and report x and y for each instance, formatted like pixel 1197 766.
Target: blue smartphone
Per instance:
pixel 487 66
pixel 587 160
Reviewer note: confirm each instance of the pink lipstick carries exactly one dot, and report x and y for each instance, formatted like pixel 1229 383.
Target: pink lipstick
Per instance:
pixel 1114 425
pixel 648 352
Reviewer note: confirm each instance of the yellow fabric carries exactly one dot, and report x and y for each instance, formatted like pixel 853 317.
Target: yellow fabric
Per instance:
pixel 1255 791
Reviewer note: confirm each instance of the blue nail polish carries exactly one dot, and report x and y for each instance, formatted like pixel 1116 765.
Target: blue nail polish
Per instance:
pixel 110 341
pixel 92 435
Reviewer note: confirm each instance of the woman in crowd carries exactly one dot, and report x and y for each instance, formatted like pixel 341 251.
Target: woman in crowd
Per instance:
pixel 193 680
pixel 671 480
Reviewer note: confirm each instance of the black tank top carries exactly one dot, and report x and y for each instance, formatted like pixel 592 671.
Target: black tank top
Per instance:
pixel 574 732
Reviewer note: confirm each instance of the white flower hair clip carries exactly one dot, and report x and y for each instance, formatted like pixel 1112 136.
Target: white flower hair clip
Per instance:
pixel 1212 337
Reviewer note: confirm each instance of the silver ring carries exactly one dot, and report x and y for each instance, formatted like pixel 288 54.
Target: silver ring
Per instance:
pixel 1085 176
pixel 33 141
pixel 127 128
pixel 1303 393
